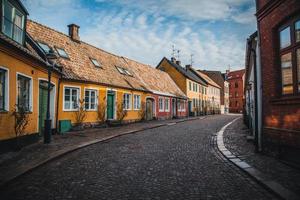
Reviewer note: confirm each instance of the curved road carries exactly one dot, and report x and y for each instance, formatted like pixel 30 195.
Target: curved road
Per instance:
pixel 172 162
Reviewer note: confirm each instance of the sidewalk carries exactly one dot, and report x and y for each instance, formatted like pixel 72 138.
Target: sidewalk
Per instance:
pixel 14 164
pixel 235 141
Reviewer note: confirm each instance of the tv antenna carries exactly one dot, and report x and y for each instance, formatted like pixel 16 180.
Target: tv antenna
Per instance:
pixel 192 61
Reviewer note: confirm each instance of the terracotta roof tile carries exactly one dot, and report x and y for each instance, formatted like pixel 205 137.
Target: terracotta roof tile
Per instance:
pixel 79 66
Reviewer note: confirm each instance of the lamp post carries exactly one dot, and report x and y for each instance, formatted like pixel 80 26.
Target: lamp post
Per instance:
pixel 51 57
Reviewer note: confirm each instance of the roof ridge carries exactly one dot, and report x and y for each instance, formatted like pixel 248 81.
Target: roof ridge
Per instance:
pixel 66 35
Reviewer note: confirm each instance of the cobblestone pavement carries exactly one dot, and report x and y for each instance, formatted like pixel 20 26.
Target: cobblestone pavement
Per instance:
pixel 13 163
pixel 235 141
pixel 170 162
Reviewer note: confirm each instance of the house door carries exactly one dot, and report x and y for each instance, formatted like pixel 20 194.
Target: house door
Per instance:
pixel 110 105
pixel 190 109
pixel 173 108
pixel 149 109
pixel 42 108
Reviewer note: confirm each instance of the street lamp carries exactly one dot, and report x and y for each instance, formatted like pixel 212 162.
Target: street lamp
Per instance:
pixel 51 59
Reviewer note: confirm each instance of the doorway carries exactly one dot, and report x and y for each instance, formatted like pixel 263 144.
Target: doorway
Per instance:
pixel 150 107
pixel 174 108
pixel 43 93
pixel 110 105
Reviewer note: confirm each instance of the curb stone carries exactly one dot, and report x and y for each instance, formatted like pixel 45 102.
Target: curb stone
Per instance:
pixel 62 152
pixel 268 183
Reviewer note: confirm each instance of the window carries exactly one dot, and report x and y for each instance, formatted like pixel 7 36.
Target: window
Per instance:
pixel 45 47
pixel 127 72
pixel 121 70
pixel 62 53
pixel 161 104
pixel 167 104
pixel 196 85
pixel 236 94
pixel 71 98
pixel 90 99
pixel 287 73
pixel 24 92
pixel 137 102
pixel 3 90
pixel 289 40
pixel 127 101
pixel 13 22
pixel 95 62
pixel 297 31
pixel 190 86
pixel 236 84
pixel 285 38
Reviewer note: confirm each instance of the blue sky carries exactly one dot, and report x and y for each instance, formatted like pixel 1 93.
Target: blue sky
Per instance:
pixel 214 31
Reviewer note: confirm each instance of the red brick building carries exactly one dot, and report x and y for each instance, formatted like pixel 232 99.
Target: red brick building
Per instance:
pixel 279 36
pixel 236 90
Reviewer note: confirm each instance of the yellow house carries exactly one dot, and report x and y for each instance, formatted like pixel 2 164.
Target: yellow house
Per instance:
pixel 103 84
pixel 213 94
pixel 23 77
pixel 192 85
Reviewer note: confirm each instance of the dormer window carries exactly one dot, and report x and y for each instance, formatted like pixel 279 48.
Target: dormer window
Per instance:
pixel 95 62
pixel 121 70
pixel 12 22
pixel 124 71
pixel 62 52
pixel 45 47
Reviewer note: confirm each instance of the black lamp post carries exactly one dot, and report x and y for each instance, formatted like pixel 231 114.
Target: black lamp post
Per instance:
pixel 51 57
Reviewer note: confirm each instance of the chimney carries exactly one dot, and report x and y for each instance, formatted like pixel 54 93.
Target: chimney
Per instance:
pixel 178 62
pixel 74 32
pixel 173 60
pixel 187 67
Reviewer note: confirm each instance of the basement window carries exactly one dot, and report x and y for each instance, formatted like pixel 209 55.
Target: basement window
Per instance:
pixel 62 53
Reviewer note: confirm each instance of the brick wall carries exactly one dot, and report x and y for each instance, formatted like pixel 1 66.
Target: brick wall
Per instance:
pixel 281 114
pixel 236 94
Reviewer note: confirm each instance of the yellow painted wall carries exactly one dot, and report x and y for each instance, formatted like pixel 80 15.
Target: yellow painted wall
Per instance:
pixel 15 66
pixel 92 116
pixel 177 77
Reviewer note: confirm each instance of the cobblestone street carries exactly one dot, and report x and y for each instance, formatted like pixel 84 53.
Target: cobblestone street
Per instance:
pixel 172 162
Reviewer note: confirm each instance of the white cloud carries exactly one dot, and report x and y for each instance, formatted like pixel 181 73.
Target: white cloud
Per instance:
pixel 149 41
pixel 191 9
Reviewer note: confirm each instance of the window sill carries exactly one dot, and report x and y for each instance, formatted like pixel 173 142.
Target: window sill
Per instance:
pixel 4 112
pixel 286 100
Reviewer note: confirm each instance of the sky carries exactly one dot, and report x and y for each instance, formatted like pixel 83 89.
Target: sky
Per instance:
pixel 213 31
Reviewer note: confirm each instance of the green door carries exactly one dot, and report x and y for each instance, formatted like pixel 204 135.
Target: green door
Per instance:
pixel 110 106
pixel 42 108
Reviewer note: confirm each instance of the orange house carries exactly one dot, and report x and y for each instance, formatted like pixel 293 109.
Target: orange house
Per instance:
pixel 23 77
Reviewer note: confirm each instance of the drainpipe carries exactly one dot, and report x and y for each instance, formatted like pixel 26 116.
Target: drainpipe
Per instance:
pixel 257 149
pixel 57 104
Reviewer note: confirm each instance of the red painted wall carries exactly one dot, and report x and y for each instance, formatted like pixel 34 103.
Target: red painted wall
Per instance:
pixel 236 103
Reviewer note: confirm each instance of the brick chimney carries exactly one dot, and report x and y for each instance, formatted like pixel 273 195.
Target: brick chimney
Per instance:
pixel 173 60
pixel 74 32
pixel 187 67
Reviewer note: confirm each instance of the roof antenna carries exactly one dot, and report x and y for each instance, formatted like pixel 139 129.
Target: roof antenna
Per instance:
pixel 173 51
pixel 178 54
pixel 192 61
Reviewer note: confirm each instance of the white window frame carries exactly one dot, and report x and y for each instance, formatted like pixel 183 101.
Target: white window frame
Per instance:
pixel 161 100
pixel 167 102
pixel 59 52
pixel 78 96
pixel 30 90
pixel 89 103
pixel 136 104
pixel 125 106
pixel 6 89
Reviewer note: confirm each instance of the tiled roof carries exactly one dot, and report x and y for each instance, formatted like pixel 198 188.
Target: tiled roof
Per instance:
pixel 79 66
pixel 27 49
pixel 216 76
pixel 186 72
pixel 207 79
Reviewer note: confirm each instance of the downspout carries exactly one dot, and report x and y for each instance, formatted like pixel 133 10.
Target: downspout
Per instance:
pixel 257 149
pixel 57 104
